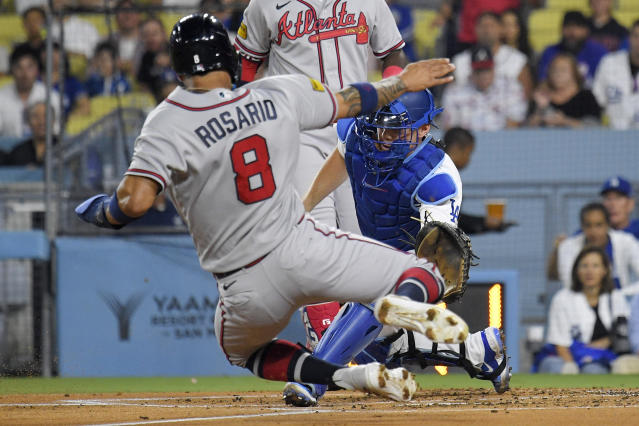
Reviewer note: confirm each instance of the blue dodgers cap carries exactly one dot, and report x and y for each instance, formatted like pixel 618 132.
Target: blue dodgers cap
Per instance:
pixel 619 184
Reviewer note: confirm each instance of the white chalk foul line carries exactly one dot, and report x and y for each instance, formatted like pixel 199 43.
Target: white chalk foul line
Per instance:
pixel 316 410
pixel 199 419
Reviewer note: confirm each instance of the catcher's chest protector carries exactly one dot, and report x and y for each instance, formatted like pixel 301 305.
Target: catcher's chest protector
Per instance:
pixel 386 212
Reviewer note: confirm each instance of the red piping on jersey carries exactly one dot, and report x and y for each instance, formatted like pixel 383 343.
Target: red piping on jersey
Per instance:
pixel 351 237
pixel 252 52
pixel 147 172
pixel 339 61
pixel 319 44
pixel 386 52
pixel 206 108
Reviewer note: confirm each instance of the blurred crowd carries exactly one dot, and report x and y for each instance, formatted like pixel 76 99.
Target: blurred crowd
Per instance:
pixel 589 77
pixel 132 57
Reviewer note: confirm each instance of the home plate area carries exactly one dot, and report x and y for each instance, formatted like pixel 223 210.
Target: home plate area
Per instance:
pixel 518 406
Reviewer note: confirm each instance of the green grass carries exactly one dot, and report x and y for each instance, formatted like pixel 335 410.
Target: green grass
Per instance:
pixel 24 385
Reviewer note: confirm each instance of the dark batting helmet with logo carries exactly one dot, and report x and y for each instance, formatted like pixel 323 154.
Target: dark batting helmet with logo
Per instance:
pixel 199 44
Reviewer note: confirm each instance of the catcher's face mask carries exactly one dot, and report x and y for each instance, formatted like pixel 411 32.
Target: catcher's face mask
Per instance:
pixel 387 137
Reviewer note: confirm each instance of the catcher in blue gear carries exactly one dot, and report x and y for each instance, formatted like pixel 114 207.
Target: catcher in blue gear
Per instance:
pixel 407 194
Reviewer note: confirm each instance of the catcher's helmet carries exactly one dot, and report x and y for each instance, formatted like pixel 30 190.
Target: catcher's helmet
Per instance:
pixel 199 44
pixel 404 115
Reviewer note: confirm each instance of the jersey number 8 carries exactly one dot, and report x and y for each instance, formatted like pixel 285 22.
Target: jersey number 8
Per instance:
pixel 253 174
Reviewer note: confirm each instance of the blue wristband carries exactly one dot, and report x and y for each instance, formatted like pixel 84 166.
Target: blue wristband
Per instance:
pixel 116 212
pixel 368 97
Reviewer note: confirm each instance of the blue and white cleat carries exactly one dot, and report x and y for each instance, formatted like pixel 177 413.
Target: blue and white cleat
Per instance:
pixel 299 395
pixel 495 367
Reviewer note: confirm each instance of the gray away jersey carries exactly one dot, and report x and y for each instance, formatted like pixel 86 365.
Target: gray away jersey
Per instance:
pixel 326 40
pixel 227 159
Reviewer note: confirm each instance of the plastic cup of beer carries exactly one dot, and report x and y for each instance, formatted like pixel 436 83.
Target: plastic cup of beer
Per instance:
pixel 496 208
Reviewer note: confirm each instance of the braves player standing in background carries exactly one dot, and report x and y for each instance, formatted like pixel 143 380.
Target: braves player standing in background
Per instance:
pixel 226 158
pixel 328 41
pixel 397 171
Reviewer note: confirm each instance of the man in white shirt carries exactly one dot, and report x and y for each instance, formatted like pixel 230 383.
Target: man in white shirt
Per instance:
pixel 486 101
pixel 616 84
pixel 510 63
pixel 24 90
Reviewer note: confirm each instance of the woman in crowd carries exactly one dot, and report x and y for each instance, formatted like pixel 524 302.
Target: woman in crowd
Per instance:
pixel 581 319
pixel 562 101
pixel 515 33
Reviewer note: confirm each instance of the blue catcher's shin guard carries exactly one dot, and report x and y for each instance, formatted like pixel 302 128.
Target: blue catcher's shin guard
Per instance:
pixel 354 328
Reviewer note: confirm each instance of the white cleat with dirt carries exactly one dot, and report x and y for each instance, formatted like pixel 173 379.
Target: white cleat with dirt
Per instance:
pixel 436 323
pixel 396 384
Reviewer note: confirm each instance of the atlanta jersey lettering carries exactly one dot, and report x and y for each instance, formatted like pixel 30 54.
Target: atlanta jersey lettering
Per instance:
pixel 327 40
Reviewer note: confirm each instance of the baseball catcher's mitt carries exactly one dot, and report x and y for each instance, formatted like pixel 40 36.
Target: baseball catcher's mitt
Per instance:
pixel 450 249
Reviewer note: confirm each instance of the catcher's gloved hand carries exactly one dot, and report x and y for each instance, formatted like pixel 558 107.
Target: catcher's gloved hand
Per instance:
pixel 450 249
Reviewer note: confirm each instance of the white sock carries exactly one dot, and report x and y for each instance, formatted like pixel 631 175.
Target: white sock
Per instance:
pixel 351 377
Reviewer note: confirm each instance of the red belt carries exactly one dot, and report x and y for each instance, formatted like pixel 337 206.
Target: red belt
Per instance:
pixel 221 275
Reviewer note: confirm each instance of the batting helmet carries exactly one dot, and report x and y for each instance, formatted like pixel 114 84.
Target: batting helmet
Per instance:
pixel 199 44
pixel 404 115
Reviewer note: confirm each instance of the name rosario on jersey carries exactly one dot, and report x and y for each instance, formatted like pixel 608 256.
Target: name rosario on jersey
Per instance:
pixel 228 122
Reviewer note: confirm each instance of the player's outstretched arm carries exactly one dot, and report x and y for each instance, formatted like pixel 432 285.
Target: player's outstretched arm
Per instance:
pixel 332 174
pixel 369 97
pixel 134 196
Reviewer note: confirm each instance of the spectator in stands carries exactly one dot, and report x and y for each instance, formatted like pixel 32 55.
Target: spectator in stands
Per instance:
pixel 581 318
pixel 127 38
pixel 32 151
pixel 106 79
pixel 575 39
pixel 460 144
pixel 230 12
pixel 616 194
pixel 485 102
pixel 33 21
pixel 509 62
pixel 155 72
pixel 515 33
pixel 403 15
pixel 621 247
pixel 605 29
pixel 468 12
pixel 24 90
pixel 616 84
pixel 75 100
pixel 562 101
pixel 80 36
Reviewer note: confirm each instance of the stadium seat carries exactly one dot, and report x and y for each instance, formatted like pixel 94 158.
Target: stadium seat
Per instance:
pixel 169 20
pixel 425 34
pixel 8 142
pixel 581 5
pixel 5 80
pixel 11 30
pixel 99 21
pixel 627 17
pixel 544 27
pixel 628 5
pixel 103 105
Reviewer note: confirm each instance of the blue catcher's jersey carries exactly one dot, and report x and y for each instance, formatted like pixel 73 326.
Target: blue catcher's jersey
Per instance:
pixel 388 212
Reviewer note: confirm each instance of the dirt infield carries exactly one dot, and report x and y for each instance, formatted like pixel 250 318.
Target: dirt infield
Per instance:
pixel 454 406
